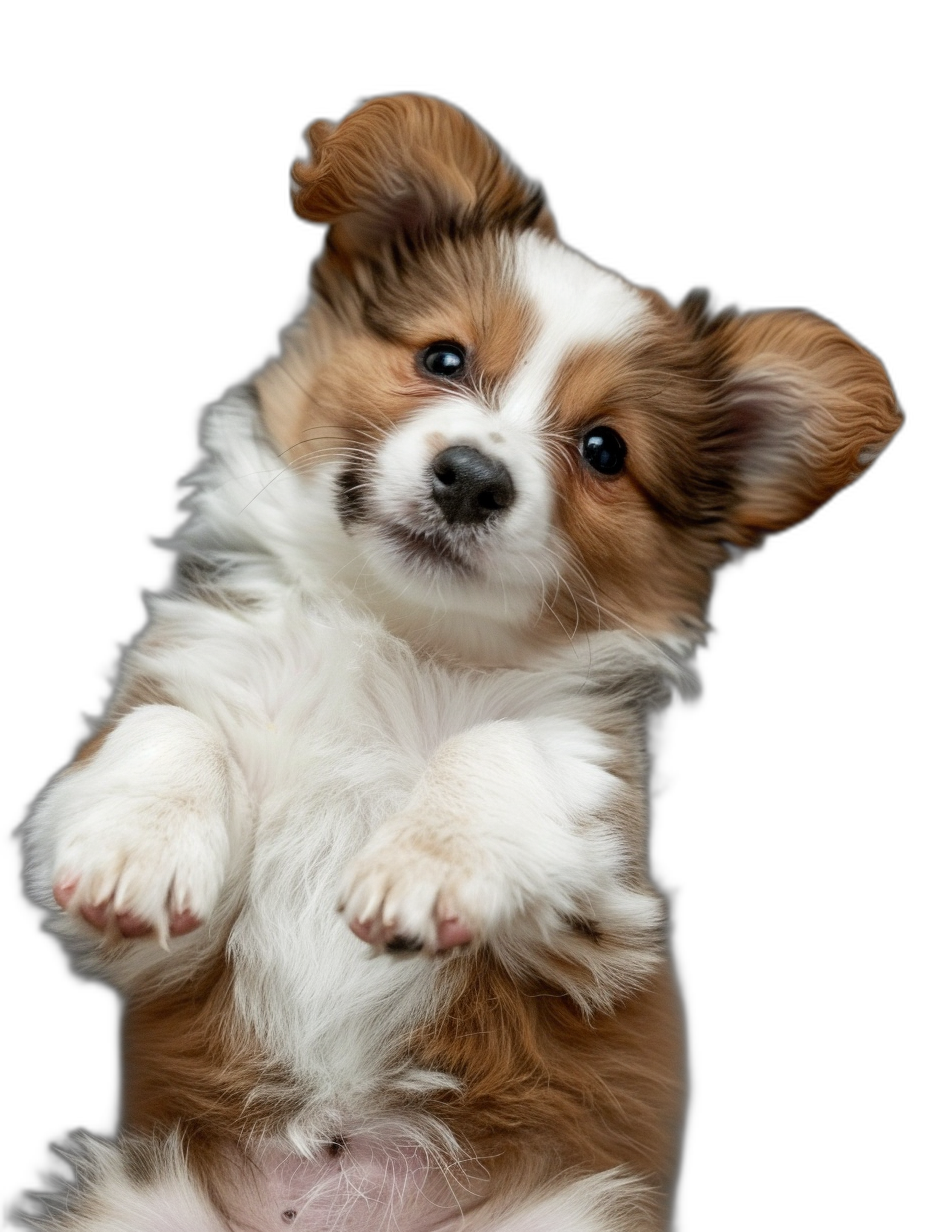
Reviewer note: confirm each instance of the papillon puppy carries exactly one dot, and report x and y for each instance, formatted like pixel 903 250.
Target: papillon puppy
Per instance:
pixel 362 836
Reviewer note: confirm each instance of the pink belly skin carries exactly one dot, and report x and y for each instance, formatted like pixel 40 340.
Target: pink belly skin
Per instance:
pixel 362 1185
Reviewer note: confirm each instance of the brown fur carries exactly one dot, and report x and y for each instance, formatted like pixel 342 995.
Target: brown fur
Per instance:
pixel 547 1090
pixel 347 372
pixel 406 164
pixel 734 427
pixel 814 408
pixel 647 539
pixel 189 1064
pixel 188 1060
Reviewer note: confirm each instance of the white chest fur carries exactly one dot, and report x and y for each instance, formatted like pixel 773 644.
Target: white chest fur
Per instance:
pixel 332 722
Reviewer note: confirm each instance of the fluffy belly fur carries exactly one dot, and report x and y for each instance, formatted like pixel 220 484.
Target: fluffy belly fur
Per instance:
pixel 408 1089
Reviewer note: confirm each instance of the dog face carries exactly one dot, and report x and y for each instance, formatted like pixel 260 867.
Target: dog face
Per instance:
pixel 508 429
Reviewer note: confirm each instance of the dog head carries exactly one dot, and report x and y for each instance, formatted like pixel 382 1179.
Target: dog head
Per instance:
pixel 506 429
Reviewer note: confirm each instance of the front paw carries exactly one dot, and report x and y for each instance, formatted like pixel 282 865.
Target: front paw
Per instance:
pixel 144 868
pixel 135 841
pixel 410 891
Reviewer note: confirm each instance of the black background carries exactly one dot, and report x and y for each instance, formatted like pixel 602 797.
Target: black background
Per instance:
pixel 163 261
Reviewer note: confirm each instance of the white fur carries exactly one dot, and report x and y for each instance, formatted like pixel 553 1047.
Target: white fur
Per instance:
pixel 607 1202
pixel 508 561
pixel 499 832
pixel 578 304
pixel 146 823
pixel 376 1192
pixel 108 1199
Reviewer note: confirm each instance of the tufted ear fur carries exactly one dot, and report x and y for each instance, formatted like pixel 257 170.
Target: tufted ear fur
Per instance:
pixel 408 165
pixel 810 410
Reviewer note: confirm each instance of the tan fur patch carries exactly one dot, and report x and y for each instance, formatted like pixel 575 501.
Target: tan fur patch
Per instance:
pixel 546 1091
pixel 645 540
pixel 188 1060
pixel 190 1064
pixel 815 408
pixel 404 164
pixel 348 371
pixel 734 427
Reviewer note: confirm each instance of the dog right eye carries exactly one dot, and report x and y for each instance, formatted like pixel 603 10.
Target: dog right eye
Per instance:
pixel 444 359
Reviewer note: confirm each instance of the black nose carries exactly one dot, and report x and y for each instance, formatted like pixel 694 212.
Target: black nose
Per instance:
pixel 468 486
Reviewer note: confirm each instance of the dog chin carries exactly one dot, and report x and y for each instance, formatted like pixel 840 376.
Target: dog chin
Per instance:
pixel 422 566
pixel 425 568
pixel 425 552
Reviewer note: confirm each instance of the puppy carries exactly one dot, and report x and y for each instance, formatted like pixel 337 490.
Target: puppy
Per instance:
pixel 362 835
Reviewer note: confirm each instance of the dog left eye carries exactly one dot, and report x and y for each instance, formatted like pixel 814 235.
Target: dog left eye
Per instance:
pixel 443 359
pixel 603 450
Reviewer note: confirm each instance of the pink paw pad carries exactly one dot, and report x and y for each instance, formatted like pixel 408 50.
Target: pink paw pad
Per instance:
pixel 95 914
pixel 129 924
pixel 184 922
pixel 132 925
pixel 451 933
pixel 64 891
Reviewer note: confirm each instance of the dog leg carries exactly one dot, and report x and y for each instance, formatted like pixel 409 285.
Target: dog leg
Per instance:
pixel 136 841
pixel 505 837
pixel 607 1202
pixel 127 1186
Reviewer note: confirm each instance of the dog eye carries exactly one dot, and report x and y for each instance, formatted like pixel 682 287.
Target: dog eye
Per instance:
pixel 603 450
pixel 443 359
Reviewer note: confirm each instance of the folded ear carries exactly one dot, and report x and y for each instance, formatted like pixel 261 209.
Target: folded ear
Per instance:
pixel 409 165
pixel 810 410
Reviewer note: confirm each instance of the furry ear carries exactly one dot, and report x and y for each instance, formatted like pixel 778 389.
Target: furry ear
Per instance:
pixel 810 410
pixel 408 165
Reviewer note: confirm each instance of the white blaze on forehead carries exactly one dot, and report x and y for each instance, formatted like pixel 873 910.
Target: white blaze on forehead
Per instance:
pixel 577 303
